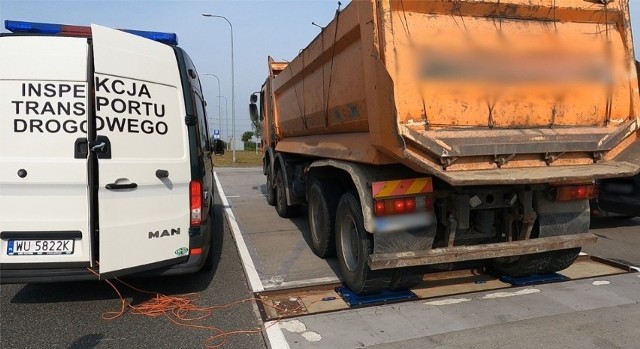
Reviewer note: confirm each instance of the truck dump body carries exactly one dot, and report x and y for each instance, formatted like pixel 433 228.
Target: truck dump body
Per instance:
pixel 473 92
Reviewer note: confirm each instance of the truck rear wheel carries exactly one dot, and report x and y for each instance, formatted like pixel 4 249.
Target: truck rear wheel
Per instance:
pixel 284 210
pixel 405 278
pixel 538 263
pixel 322 201
pixel 271 192
pixel 353 246
pixel 562 259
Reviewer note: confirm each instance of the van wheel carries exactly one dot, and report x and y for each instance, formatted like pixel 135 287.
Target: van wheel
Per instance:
pixel 405 278
pixel 353 246
pixel 323 201
pixel 271 192
pixel 284 210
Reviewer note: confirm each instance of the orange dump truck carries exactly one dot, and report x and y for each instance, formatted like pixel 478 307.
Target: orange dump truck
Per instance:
pixel 430 134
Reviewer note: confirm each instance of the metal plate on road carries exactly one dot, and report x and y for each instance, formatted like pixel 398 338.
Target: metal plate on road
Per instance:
pixel 327 298
pixel 39 247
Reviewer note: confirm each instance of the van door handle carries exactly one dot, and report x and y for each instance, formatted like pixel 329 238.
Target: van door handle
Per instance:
pixel 162 174
pixel 115 186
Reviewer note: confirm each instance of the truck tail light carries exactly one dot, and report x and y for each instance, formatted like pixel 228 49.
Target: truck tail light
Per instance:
pixel 402 196
pixel 576 192
pixel 195 199
pixel 403 205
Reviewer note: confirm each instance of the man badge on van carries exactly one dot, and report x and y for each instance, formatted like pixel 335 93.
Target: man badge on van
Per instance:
pixel 166 232
pixel 182 251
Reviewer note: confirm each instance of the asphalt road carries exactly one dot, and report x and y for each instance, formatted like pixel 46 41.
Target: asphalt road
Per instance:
pixel 68 315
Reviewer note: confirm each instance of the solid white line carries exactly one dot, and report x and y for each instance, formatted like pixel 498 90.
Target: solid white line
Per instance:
pixel 247 262
pixel 298 283
pixel 275 336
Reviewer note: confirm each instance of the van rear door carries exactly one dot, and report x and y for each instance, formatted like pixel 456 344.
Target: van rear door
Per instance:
pixel 43 172
pixel 144 172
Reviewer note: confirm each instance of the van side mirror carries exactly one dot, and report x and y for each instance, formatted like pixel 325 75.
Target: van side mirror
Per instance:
pixel 218 147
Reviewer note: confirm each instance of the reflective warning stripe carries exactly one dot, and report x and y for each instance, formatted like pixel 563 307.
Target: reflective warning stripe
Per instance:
pixel 401 187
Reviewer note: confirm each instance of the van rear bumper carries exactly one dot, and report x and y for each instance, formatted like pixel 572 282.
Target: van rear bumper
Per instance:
pixel 50 273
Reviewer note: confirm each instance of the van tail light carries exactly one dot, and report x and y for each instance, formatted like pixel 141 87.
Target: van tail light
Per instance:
pixel 576 192
pixel 195 199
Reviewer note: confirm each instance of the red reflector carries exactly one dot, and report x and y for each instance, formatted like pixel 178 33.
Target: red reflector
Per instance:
pixel 196 251
pixel 428 203
pixel 398 206
pixel 410 204
pixel 195 191
pixel 379 210
pixel 575 192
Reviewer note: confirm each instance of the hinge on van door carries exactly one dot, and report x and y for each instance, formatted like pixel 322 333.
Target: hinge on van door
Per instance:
pixel 101 146
pixel 80 148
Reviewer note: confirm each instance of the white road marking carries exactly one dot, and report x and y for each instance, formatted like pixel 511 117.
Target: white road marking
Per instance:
pixel 600 282
pixel 311 336
pixel 448 301
pixel 275 282
pixel 296 326
pixel 511 294
pixel 247 262
pixel 275 337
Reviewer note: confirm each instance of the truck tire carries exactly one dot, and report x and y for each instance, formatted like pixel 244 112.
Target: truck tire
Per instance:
pixel 562 259
pixel 353 246
pixel 284 210
pixel 271 192
pixel 538 263
pixel 405 278
pixel 322 204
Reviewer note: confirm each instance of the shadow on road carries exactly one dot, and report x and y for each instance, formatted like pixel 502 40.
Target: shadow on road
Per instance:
pixel 614 221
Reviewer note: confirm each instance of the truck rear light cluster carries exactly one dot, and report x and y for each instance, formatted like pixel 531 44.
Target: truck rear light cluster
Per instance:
pixel 576 192
pixel 403 205
pixel 402 196
pixel 195 198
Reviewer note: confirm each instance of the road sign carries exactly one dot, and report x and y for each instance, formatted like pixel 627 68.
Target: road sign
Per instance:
pixel 216 134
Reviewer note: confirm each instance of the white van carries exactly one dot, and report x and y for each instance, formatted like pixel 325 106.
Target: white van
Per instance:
pixel 105 159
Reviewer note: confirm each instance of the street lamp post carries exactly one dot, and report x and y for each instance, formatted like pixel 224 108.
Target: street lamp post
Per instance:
pixel 233 100
pixel 219 112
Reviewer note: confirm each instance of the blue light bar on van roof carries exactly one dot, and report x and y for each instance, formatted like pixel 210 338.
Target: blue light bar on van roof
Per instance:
pixel 75 30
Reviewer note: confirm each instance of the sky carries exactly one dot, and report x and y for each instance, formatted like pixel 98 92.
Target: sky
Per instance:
pixel 261 28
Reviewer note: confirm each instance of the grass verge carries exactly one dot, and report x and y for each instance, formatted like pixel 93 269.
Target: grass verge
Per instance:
pixel 243 159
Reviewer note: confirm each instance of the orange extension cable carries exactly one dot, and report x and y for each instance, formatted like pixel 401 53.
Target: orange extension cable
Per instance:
pixel 181 309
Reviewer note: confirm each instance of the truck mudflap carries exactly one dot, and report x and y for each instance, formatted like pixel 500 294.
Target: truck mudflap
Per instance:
pixel 477 252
